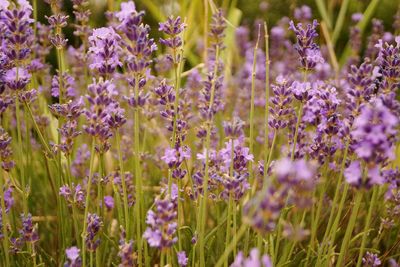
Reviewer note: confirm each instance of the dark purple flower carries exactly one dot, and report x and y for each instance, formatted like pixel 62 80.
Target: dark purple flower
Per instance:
pixel 5 151
pixel 173 27
pixel 17 78
pixel 109 202
pixel 94 225
pixel 371 260
pixel 18 32
pixel 28 231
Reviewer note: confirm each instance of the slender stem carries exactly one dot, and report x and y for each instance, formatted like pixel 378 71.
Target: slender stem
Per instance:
pixel 296 133
pixel 228 226
pixel 88 189
pixel 253 78
pixel 203 213
pixel 138 176
pixel 335 200
pixel 123 182
pixel 39 133
pixel 21 153
pixel 367 224
pixel 266 133
pixel 231 246
pixel 5 220
pixel 299 116
pixel 340 21
pixel 349 229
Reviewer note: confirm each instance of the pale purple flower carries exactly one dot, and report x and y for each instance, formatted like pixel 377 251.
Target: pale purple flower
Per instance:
pixel 104 50
pixel 73 257
pixel 182 259
pixel 253 260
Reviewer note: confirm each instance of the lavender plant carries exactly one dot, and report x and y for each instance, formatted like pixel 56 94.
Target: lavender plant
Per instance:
pixel 180 135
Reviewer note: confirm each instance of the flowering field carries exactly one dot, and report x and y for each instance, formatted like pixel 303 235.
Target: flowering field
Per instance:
pixel 191 133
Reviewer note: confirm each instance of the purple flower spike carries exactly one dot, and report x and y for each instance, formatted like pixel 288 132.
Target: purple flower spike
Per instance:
pixel 309 52
pixel 94 225
pixel 162 225
pixel 104 50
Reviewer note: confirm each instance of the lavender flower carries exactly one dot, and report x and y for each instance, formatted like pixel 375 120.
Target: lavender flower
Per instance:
pixel 17 78
pixel 18 31
pixel 182 259
pixel 373 135
pixel 68 83
pixel 281 112
pixel 104 113
pixel 74 260
pixel 5 151
pixel 309 52
pixel 28 232
pixel 125 252
pixel 94 225
pixel 104 51
pixel 162 225
pixel 253 260
pixel 371 260
pixel 173 28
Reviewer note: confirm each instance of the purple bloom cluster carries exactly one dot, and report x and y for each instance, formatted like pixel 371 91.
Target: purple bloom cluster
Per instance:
pixel 173 27
pixel 374 130
pixel 295 183
pixel 281 111
pixel 74 260
pixel 5 151
pixel 309 52
pixel 253 260
pixel 94 225
pixel 104 51
pixel 162 224
pixel 104 114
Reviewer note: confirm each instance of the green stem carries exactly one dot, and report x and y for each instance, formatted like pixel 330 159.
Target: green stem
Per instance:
pixel 123 182
pixel 5 220
pixel 253 78
pixel 266 119
pixel 367 224
pixel 21 153
pixel 299 116
pixel 349 229
pixel 88 189
pixel 335 200
pixel 340 21
pixel 228 226
pixel 138 176
pixel 203 213
pixel 231 246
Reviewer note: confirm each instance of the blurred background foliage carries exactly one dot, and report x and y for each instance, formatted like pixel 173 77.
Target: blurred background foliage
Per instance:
pixel 238 12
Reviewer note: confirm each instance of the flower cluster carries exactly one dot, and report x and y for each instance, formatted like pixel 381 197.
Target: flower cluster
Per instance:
pixel 94 225
pixel 308 50
pixel 162 224
pixel 374 130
